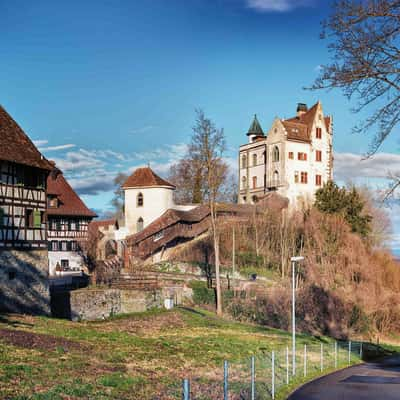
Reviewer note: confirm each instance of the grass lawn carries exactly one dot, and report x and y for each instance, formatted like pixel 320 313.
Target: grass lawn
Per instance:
pixel 139 356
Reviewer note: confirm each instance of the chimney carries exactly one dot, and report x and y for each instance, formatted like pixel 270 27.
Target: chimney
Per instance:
pixel 301 109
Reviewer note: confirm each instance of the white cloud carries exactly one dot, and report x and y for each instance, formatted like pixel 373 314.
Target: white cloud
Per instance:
pixel 349 165
pixel 56 148
pixel 93 185
pixel 40 142
pixel 277 5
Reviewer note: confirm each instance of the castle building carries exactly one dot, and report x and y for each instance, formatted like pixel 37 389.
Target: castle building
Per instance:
pixel 23 244
pixel 67 226
pixel 293 159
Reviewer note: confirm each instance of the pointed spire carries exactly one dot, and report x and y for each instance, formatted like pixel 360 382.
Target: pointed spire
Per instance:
pixel 255 128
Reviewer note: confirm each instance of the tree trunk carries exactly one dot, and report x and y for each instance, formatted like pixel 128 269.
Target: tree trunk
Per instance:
pixel 216 253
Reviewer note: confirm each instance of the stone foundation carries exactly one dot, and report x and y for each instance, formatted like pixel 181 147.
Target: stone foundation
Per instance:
pixel 24 284
pixel 92 304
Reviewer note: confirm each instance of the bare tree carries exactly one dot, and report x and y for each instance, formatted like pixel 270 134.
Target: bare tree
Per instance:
pixel 364 43
pixel 186 175
pixel 206 147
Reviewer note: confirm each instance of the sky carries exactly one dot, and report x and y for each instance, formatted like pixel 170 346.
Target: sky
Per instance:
pixel 106 86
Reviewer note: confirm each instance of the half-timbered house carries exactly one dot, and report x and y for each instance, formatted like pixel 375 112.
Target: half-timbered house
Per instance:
pixel 23 243
pixel 67 226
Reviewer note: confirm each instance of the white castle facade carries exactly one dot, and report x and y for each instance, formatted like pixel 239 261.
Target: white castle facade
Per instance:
pixel 294 158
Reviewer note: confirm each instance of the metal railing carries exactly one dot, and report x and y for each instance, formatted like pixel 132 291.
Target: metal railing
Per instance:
pixel 263 376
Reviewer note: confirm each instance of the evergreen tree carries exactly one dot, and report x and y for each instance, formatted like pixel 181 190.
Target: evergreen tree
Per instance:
pixel 334 200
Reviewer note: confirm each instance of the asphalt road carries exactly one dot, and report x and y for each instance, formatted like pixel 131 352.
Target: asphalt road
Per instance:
pixel 370 381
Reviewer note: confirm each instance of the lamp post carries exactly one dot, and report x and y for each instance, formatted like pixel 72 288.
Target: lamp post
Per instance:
pixel 294 260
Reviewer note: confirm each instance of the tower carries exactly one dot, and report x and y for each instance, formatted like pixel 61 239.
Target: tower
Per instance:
pixel 147 197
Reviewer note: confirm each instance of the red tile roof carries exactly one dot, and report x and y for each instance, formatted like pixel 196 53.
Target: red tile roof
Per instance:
pixel 145 177
pixel 69 203
pixel 15 145
pixel 299 128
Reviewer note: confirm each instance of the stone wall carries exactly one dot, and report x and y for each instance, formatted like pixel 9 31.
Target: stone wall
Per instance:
pixel 92 304
pixel 24 284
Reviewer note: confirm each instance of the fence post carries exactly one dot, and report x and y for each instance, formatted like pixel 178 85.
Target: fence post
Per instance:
pixel 287 365
pixel 186 390
pixel 336 355
pixel 349 351
pixel 322 357
pixel 305 360
pixel 361 350
pixel 225 380
pixel 273 375
pixel 253 389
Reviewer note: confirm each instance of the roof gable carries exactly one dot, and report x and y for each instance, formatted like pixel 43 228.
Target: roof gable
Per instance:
pixel 15 145
pixel 145 177
pixel 69 203
pixel 299 127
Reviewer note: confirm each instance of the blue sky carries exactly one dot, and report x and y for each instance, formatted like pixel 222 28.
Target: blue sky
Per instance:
pixel 105 86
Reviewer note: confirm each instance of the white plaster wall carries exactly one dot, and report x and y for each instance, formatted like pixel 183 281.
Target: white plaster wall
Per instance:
pixel 298 193
pixel 156 200
pixel 74 258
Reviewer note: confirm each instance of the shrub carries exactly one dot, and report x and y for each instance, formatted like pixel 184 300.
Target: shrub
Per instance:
pixel 201 293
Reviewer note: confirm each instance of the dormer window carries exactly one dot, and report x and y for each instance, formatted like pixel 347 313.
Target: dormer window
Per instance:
pixel 139 200
pixel 52 202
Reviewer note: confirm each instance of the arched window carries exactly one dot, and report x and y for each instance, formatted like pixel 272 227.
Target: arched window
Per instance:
pixel 139 224
pixel 276 178
pixel 254 182
pixel 254 160
pixel 244 182
pixel 139 200
pixel 275 154
pixel 244 161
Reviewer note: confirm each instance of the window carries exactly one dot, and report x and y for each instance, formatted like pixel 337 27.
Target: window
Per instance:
pixel 318 155
pixel 254 160
pixel 77 226
pixel 139 200
pixel 302 156
pixel 52 202
pixel 12 274
pixel 318 133
pixel 1 217
pixel 243 182
pixel 296 176
pixel 318 180
pixel 29 218
pixel 64 246
pixel 244 161
pixel 304 177
pixel 275 154
pixel 54 245
pixel 254 199
pixel 276 178
pixel 64 265
pixel 254 182
pixel 74 246
pixel 291 155
pixel 139 224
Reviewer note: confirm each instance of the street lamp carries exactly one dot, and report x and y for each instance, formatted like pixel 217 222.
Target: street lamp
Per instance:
pixel 294 260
